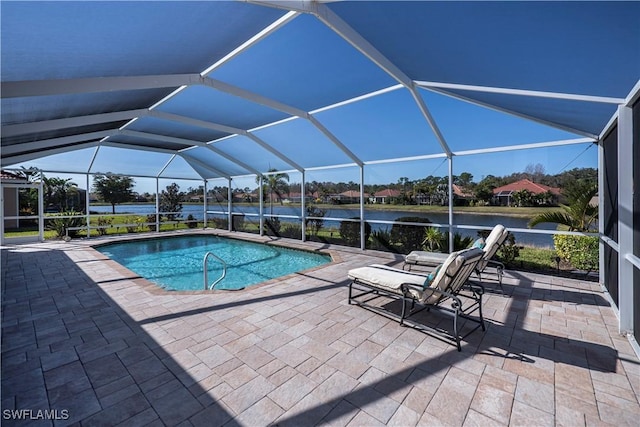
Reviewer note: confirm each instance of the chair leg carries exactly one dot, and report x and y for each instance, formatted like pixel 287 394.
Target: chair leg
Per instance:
pixel 455 330
pixel 350 292
pixel 404 310
pixel 500 272
pixel 484 328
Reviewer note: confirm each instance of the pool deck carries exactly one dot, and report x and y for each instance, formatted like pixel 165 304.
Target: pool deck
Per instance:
pixel 86 337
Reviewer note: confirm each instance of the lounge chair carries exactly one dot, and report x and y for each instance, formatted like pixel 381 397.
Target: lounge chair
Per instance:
pixel 442 293
pixel 493 242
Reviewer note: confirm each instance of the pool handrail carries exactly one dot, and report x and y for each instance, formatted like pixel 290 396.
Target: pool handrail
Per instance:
pixel 206 273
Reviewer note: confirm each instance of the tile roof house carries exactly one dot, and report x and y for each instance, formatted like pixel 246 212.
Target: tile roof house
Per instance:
pixel 504 193
pixel 385 196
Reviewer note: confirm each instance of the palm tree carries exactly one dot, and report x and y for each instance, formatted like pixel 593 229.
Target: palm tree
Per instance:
pixel 432 238
pixel 277 183
pixel 58 190
pixel 578 215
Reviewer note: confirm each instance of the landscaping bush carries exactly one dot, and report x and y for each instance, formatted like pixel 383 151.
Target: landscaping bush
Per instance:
pixel 191 221
pixel 103 223
pixel 293 231
pixel 272 226
pixel 314 225
pixel 381 240
pixel 460 242
pixel 580 251
pixel 151 220
pixel 508 252
pixel 408 237
pixel 221 223
pixel 60 225
pixel 350 232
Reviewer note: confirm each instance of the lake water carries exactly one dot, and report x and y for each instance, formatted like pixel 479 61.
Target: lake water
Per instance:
pixel 540 240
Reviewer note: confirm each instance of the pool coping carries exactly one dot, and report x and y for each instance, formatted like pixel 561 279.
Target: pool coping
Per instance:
pixel 155 289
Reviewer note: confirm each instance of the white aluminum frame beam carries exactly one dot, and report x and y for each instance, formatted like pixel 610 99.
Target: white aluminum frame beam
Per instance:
pixel 351 36
pixel 190 159
pixel 28 88
pixel 193 144
pixel 22 158
pixel 129 146
pixel 521 92
pixel 530 146
pixel 49 125
pixel 271 28
pixel 276 105
pixel 512 113
pixel 233 131
pixel 45 144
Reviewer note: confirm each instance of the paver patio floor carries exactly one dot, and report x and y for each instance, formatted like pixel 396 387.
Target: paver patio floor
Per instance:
pixel 86 337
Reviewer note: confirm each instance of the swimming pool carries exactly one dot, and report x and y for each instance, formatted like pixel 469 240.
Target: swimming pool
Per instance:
pixel 176 263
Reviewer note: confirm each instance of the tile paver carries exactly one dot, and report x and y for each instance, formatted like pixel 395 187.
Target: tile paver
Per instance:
pixel 78 333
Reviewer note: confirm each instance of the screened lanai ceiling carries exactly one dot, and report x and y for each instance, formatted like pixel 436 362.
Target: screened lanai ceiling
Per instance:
pixel 226 88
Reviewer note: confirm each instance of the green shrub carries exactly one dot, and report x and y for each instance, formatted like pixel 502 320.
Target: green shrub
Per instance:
pixel 191 221
pixel 408 237
pixel 460 242
pixel 60 225
pixel 221 223
pixel 103 223
pixel 272 226
pixel 581 251
pixel 508 252
pixel 350 232
pixel 151 220
pixel 381 241
pixel 291 230
pixel 314 225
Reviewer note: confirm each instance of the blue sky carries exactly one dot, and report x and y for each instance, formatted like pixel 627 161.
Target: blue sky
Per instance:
pixel 306 65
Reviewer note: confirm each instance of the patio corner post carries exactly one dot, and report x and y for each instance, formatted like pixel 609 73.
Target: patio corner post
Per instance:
pixel 157 205
pixel 303 194
pixel 205 205
pixel 363 241
pixel 625 218
pixel 40 207
pixel 261 207
pixel 450 158
pixel 601 222
pixel 229 206
pixel 87 200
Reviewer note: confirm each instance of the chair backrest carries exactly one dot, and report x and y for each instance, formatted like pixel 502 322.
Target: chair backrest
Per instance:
pixel 453 274
pixel 495 239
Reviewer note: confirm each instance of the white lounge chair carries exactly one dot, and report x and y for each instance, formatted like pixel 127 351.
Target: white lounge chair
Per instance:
pixel 442 293
pixel 493 242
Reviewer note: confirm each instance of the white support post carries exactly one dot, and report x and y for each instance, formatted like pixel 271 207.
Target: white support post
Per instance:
pixel 16 203
pixel 157 205
pixel 303 208
pixel 229 206
pixel 40 208
pixel 87 200
pixel 450 204
pixel 601 201
pixel 205 206
pixel 625 218
pixel 261 198
pixel 363 242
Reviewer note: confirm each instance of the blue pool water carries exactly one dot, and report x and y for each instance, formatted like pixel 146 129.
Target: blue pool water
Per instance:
pixel 176 263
